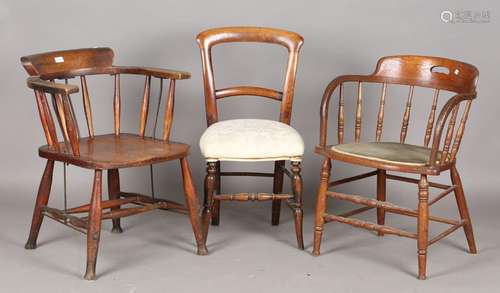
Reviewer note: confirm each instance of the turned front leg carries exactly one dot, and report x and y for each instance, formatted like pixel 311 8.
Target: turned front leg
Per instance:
pixel 277 188
pixel 210 179
pixel 298 213
pixel 321 205
pixel 423 225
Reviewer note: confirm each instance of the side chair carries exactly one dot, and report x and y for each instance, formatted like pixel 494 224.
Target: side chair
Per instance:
pixel 438 152
pixel 250 140
pixel 108 152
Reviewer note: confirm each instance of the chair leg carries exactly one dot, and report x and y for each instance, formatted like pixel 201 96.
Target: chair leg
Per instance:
pixel 463 210
pixel 423 225
pixel 41 201
pixel 114 193
pixel 381 196
pixel 321 205
pixel 193 206
pixel 208 201
pixel 277 188
pixel 216 207
pixel 298 213
pixel 94 226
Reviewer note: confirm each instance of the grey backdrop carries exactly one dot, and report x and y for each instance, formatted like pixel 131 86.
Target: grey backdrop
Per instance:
pixel 340 37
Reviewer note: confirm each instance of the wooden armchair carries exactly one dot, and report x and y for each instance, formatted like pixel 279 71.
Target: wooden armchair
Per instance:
pixel 109 152
pixel 444 136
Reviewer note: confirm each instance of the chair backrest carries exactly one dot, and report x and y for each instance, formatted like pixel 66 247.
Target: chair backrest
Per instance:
pixel 209 38
pixel 59 64
pixel 432 72
pixel 45 68
pixel 413 71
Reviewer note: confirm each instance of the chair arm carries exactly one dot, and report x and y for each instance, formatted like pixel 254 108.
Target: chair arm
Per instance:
pixel 156 72
pixel 441 121
pixel 325 102
pixel 36 83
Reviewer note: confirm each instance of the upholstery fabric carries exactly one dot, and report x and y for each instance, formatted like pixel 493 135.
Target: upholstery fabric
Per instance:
pixel 251 140
pixel 389 152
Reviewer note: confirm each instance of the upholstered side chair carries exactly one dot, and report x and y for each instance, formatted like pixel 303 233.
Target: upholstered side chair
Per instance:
pixel 250 140
pixel 441 139
pixel 105 152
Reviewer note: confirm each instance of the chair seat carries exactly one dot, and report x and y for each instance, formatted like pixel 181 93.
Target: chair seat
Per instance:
pixel 251 140
pixel 386 152
pixel 110 151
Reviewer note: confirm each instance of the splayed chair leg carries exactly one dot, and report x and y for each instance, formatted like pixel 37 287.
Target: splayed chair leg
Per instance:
pixel 94 226
pixel 463 209
pixel 321 205
pixel 193 207
pixel 41 201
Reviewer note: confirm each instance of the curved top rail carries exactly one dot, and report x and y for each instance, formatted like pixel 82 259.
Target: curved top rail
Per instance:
pixel 209 38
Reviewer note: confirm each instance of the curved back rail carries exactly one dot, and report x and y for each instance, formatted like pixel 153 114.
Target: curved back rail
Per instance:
pixel 412 71
pixel 45 68
pixel 209 38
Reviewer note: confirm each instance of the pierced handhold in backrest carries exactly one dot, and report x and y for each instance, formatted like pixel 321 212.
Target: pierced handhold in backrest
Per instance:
pixel 441 69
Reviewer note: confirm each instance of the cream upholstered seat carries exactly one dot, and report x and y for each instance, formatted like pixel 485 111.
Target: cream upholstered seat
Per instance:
pixel 387 152
pixel 251 140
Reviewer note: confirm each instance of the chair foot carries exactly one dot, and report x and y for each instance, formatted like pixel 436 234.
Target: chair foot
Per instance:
pixel 30 245
pixel 422 264
pixel 117 230
pixel 298 228
pixel 318 233
pixel 202 250
pixel 90 274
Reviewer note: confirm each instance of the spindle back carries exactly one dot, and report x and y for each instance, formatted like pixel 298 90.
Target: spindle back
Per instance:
pixel 412 71
pixel 45 68
pixel 209 38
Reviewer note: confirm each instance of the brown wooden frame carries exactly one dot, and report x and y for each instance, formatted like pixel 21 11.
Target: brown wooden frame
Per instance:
pixel 102 152
pixel 413 71
pixel 292 42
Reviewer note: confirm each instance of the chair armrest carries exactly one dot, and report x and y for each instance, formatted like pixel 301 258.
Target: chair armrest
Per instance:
pixel 36 83
pixel 325 102
pixel 441 122
pixel 156 72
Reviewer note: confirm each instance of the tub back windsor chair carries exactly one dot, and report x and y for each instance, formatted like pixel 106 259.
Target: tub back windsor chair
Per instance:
pixel 442 137
pixel 109 152
pixel 251 139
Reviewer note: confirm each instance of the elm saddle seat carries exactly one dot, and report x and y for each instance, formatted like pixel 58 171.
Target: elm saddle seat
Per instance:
pixel 111 151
